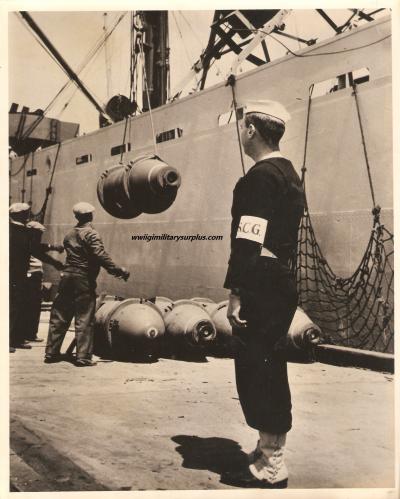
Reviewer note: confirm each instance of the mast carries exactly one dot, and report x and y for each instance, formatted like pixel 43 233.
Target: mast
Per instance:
pixel 156 56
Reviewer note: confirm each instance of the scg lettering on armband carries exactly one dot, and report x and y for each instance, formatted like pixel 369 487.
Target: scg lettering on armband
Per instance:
pixel 252 228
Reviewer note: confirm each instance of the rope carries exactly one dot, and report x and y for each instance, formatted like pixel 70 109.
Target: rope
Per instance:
pixel 183 41
pixel 21 168
pixel 232 82
pixel 355 93
pixel 356 311
pixel 124 138
pixel 39 216
pixel 148 97
pixel 303 168
pixel 90 57
pixel 334 52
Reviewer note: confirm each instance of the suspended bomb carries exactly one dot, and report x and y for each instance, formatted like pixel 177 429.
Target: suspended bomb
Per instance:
pixel 206 303
pixel 303 333
pixel 188 321
pixel 145 185
pixel 129 322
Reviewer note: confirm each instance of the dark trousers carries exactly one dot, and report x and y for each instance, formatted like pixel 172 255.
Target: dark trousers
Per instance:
pixel 76 297
pixel 16 312
pixel 33 302
pixel 261 370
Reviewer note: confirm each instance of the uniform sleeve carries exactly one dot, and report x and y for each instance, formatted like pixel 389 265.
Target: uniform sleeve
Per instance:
pixel 96 249
pixel 39 251
pixel 262 188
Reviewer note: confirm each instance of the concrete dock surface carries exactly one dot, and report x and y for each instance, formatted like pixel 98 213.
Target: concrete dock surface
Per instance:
pixel 177 425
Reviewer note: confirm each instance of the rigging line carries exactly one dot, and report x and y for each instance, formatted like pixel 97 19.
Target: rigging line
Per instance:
pixel 183 43
pixel 148 96
pixel 191 29
pixel 92 54
pixel 54 166
pixel 364 145
pixel 84 64
pixel 124 138
pixel 327 53
pixel 232 82
pixel 304 169
pixel 255 31
pixel 131 56
pixel 14 174
pixel 20 18
pixel 42 212
pixel 23 190
pixel 31 180
pixel 70 72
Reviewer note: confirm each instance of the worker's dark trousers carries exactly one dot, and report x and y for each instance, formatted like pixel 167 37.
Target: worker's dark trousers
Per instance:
pixel 261 372
pixel 17 301
pixel 76 297
pixel 33 302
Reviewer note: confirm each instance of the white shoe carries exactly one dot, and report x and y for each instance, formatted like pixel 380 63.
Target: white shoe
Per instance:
pixel 269 465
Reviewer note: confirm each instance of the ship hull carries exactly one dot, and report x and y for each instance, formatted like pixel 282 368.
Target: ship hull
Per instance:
pixel 208 158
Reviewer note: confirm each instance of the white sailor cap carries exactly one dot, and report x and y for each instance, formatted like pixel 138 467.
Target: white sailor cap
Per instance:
pixel 19 207
pixel 269 107
pixel 82 208
pixel 36 226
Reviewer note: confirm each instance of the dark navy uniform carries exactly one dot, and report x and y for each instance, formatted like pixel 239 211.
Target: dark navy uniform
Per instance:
pixel 22 246
pixel 271 190
pixel 76 296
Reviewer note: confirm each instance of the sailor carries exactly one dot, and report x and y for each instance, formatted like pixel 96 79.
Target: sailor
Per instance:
pixel 76 296
pixel 22 247
pixel 268 203
pixel 33 289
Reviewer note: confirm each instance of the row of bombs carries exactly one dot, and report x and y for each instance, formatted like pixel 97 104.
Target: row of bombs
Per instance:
pixel 197 324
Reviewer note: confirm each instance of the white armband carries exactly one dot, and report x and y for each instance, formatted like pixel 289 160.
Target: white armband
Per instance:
pixel 252 228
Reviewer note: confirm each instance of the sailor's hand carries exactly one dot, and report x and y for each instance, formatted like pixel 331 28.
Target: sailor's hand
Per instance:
pixel 124 274
pixel 233 312
pixel 57 247
pixel 59 265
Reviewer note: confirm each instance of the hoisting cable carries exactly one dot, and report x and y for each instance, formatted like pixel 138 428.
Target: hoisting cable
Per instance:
pixel 89 58
pixel 192 30
pixel 231 81
pixel 364 145
pixel 124 139
pixel 148 96
pixel 304 169
pixel 334 52
pixel 68 70
pixel 183 42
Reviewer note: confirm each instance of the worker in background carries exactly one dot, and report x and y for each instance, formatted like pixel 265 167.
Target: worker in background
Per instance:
pixel 21 247
pixel 33 288
pixel 76 296
pixel 268 203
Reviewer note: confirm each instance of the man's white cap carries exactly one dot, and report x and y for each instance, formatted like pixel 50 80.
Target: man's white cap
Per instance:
pixel 270 107
pixel 19 207
pixel 36 226
pixel 82 208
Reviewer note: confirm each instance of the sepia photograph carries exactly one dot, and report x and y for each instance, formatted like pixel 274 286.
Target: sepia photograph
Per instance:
pixel 200 209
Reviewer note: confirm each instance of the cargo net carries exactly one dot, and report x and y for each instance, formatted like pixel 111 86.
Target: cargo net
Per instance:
pixel 356 311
